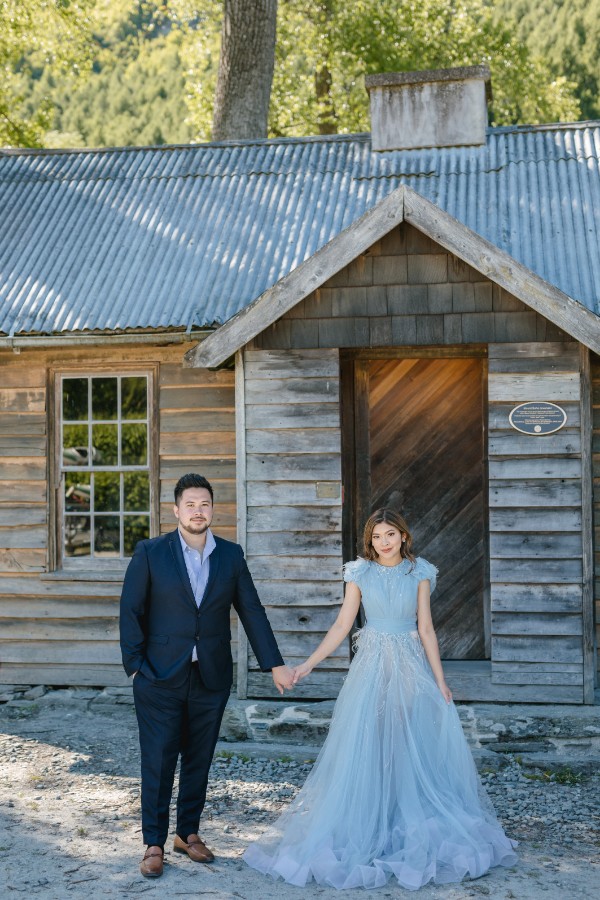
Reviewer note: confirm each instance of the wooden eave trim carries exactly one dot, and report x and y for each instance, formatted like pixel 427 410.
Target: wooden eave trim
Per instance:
pixel 499 267
pixel 403 204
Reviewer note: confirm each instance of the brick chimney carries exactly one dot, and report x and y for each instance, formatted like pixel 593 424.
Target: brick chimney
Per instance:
pixel 437 108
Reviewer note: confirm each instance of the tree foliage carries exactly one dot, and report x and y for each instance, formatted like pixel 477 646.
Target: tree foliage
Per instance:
pixel 567 34
pixel 325 47
pixel 37 35
pixel 155 64
pixel 136 91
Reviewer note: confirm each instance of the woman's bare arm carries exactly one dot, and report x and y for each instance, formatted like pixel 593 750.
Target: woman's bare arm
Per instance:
pixel 429 639
pixel 336 634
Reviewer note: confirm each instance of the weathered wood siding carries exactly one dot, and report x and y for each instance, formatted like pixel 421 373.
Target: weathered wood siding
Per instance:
pixel 62 627
pixel 294 506
pixel 197 434
pixel 536 548
pixel 595 367
pixel 23 469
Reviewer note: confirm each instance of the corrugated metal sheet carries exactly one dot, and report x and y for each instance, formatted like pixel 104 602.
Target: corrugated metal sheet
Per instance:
pixel 187 236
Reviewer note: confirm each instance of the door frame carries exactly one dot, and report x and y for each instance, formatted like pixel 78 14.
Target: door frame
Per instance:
pixel 356 457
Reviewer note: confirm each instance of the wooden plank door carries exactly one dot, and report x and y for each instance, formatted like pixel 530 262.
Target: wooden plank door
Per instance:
pixel 426 457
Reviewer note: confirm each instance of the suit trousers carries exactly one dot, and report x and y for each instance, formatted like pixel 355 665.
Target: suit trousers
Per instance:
pixel 182 721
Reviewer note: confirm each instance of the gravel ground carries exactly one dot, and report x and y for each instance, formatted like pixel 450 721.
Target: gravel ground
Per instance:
pixel 69 818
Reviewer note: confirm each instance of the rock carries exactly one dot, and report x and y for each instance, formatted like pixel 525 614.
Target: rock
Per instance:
pixel 35 693
pixel 521 746
pixel 63 695
pixel 487 761
pixel 234 726
pixel 554 763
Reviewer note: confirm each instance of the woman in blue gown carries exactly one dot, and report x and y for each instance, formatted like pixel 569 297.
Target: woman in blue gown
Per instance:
pixel 394 791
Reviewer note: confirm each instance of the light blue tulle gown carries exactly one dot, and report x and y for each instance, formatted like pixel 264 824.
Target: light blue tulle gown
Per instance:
pixel 394 790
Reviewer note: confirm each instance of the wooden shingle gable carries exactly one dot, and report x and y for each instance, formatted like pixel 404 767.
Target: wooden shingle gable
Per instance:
pixel 402 205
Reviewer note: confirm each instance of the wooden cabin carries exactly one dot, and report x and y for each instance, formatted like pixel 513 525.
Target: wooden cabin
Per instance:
pixel 320 327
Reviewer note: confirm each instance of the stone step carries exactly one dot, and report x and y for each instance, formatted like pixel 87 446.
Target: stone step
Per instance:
pixel 572 730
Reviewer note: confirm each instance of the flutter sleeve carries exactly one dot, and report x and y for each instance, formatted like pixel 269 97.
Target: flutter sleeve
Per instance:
pixel 356 570
pixel 424 571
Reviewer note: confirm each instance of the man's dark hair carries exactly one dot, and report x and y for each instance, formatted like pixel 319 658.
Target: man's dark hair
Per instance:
pixel 191 480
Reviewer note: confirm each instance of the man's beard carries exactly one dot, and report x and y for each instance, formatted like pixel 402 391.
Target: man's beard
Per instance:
pixel 195 527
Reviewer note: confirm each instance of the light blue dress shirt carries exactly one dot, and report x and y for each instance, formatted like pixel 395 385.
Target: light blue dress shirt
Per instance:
pixel 198 566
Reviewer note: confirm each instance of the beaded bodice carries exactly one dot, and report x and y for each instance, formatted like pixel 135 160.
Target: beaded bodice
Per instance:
pixel 389 593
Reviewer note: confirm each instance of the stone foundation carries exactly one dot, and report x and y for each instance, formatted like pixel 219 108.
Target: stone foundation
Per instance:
pixel 548 738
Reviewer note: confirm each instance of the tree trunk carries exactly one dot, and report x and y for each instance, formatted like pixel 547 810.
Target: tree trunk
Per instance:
pixel 326 117
pixel 245 70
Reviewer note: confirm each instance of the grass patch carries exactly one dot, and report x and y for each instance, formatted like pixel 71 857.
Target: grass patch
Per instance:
pixel 561 776
pixel 229 754
pixel 568 776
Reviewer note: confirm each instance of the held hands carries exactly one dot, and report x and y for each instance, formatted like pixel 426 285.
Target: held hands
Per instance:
pixel 285 678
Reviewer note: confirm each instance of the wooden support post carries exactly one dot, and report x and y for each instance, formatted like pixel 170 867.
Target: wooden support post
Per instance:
pixel 240 449
pixel 363 452
pixel 587 531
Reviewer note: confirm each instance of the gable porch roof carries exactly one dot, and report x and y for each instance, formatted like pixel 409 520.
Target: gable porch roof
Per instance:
pixel 403 205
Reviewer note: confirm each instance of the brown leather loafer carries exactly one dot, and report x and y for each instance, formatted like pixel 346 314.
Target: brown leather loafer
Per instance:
pixel 195 848
pixel 152 864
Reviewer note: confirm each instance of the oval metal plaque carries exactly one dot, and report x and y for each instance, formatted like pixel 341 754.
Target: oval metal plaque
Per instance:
pixel 538 418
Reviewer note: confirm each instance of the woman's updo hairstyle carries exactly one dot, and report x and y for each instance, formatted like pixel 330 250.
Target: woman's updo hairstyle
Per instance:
pixel 389 517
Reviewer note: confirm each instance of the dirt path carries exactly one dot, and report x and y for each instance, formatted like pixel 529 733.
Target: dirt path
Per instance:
pixel 69 819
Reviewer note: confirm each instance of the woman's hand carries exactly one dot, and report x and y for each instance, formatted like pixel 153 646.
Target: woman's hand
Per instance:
pixel 446 692
pixel 302 671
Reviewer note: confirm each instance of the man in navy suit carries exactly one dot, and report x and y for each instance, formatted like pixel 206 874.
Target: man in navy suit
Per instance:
pixel 175 641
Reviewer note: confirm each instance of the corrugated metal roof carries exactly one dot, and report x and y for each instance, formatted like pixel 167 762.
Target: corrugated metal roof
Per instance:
pixel 187 236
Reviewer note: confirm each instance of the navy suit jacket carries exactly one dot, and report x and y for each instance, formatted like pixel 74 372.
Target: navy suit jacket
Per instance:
pixel 160 622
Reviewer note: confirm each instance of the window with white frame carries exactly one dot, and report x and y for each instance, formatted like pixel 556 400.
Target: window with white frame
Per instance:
pixel 105 465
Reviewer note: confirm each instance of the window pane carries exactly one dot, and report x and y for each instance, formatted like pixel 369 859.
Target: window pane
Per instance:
pixel 75 445
pixel 106 492
pixel 77 492
pixel 104 398
pixel 104 430
pixel 133 397
pixel 134 439
pixel 136 491
pixel 75 399
pixel 135 528
pixel 77 535
pixel 105 440
pixel 106 536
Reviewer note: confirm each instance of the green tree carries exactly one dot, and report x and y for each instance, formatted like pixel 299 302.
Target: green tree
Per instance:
pixel 136 90
pixel 567 34
pixel 325 47
pixel 153 64
pixel 35 36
